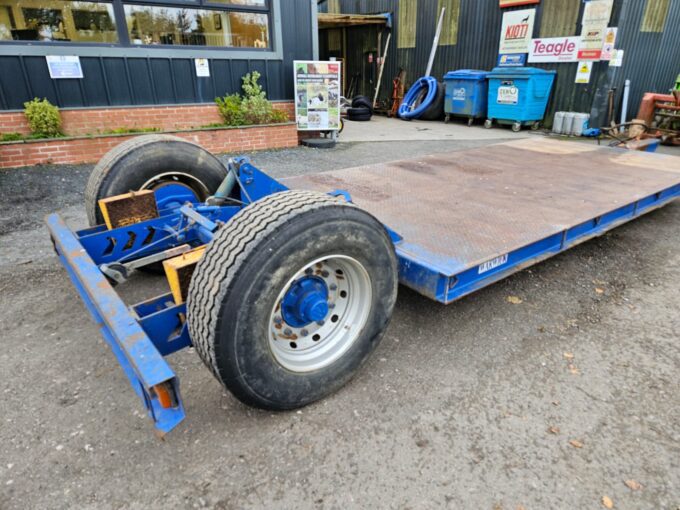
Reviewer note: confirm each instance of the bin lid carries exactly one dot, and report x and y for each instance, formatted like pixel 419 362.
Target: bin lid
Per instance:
pixel 466 74
pixel 518 71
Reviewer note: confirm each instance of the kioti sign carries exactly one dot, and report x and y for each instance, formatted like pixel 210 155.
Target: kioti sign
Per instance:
pixel 554 49
pixel 517 30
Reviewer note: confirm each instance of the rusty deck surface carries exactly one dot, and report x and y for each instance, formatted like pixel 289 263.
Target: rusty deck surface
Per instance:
pixel 459 209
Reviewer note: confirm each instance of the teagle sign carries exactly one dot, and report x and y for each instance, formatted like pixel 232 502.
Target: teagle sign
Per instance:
pixel 517 30
pixel 554 49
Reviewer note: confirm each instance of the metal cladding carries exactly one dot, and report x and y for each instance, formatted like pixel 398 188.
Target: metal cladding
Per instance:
pixel 648 55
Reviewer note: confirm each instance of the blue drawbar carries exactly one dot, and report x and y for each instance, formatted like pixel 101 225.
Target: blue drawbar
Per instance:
pixel 410 108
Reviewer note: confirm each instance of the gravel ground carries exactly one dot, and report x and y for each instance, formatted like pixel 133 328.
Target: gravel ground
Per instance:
pixel 553 402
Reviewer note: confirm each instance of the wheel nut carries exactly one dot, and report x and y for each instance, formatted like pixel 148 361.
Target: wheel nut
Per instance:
pixel 331 305
pixel 278 320
pixel 309 270
pixel 333 286
pixel 324 273
pixel 304 332
pixel 287 332
pixel 321 323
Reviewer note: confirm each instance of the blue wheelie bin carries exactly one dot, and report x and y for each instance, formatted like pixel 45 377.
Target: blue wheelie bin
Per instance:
pixel 466 94
pixel 518 96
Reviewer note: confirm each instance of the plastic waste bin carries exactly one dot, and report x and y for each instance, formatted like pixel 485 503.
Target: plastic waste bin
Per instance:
pixel 466 94
pixel 518 96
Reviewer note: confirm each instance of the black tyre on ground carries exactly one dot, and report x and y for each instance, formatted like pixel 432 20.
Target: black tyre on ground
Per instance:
pixel 237 298
pixel 362 102
pixel 359 114
pixel 150 161
pixel 436 109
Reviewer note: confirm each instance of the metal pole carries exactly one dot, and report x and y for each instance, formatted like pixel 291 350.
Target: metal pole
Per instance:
pixel 382 67
pixel 624 107
pixel 435 42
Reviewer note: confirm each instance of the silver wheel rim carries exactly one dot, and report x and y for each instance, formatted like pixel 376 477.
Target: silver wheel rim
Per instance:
pixel 318 344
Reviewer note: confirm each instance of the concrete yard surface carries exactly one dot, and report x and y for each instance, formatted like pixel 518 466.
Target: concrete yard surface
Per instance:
pixel 557 388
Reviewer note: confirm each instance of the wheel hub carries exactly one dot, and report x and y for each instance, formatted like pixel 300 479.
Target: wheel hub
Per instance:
pixel 305 302
pixel 319 313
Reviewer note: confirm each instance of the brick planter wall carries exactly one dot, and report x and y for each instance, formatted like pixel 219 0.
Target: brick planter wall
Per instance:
pixel 91 121
pixel 91 149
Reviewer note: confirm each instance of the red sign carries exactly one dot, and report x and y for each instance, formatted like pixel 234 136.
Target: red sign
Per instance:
pixel 512 3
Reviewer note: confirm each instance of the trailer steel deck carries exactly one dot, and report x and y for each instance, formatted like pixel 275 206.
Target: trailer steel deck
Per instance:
pixel 459 221
pixel 468 218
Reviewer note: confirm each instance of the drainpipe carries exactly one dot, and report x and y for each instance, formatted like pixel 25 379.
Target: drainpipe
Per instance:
pixel 624 106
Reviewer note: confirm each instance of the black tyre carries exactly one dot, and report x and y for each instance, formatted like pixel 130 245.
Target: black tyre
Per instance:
pixel 239 308
pixel 358 112
pixel 359 118
pixel 436 109
pixel 362 102
pixel 151 162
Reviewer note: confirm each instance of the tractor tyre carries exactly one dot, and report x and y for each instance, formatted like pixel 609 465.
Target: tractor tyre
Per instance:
pixel 291 297
pixel 183 170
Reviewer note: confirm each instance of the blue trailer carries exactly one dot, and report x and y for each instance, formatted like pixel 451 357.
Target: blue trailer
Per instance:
pixel 284 288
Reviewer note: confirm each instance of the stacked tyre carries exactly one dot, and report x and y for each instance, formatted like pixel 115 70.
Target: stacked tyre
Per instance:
pixel 361 110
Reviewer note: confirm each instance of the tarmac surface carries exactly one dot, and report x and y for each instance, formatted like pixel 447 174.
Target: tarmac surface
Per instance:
pixel 557 388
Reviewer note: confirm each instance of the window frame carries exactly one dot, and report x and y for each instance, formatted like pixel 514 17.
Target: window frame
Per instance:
pixel 271 9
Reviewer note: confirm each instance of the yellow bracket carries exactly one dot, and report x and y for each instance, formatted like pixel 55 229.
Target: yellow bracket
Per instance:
pixel 179 270
pixel 129 208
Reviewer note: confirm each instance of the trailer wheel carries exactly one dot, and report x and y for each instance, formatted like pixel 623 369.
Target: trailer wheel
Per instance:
pixel 177 170
pixel 291 297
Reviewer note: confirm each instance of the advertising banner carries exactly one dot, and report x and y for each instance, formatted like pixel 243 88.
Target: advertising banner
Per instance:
pixel 512 59
pixel 554 49
pixel 517 31
pixel 317 95
pixel 596 14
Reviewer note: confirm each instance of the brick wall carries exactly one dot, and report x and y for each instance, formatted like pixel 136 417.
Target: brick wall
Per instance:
pixel 89 150
pixel 91 121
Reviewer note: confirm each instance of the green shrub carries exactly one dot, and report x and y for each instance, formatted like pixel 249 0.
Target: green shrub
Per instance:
pixel 126 130
pixel 11 137
pixel 251 108
pixel 43 118
pixel 231 109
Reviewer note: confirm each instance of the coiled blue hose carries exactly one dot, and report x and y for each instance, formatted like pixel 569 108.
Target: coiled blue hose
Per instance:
pixel 408 108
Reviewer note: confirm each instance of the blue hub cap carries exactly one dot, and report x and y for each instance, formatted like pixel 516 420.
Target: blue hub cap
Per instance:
pixel 173 194
pixel 305 302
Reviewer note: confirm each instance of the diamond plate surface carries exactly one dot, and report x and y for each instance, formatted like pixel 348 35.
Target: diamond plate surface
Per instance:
pixel 459 209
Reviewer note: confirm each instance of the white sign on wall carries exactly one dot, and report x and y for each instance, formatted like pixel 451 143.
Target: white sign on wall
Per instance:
pixel 64 66
pixel 554 49
pixel 517 31
pixel 202 67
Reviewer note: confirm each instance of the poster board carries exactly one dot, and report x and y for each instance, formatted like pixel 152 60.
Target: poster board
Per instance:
pixel 596 14
pixel 317 95
pixel 517 31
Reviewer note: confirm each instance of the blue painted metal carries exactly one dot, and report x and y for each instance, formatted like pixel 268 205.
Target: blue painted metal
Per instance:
pixel 141 361
pixel 173 195
pixel 142 334
pixel 419 271
pixel 305 302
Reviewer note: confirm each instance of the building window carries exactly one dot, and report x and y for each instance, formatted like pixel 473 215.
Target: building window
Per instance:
pixel 155 25
pixel 57 21
pixel 211 23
